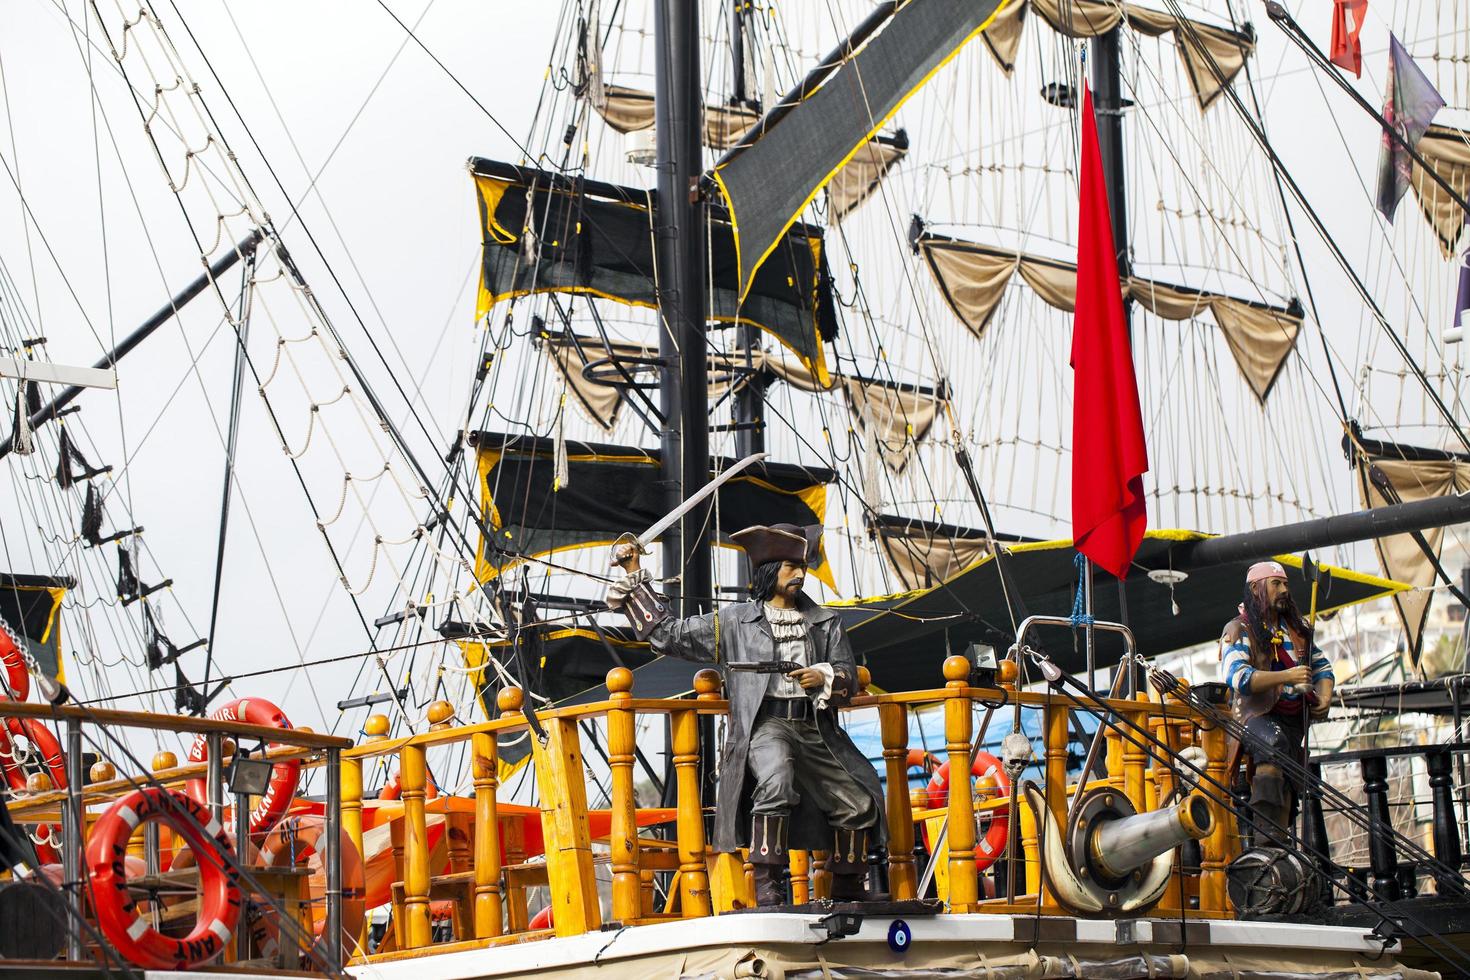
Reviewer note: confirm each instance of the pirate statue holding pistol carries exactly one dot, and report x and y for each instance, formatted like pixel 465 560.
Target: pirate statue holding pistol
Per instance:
pixel 789 774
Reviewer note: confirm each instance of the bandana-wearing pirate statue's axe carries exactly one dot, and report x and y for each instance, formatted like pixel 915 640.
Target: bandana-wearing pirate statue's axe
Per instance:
pixel 1319 578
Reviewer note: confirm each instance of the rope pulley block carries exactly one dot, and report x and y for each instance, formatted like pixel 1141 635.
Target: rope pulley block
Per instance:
pixel 118 914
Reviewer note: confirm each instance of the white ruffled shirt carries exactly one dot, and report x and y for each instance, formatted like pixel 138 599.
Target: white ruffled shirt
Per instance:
pixel 789 629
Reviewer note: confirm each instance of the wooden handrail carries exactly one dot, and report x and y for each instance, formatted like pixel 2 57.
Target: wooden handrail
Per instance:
pixel 598 709
pixel 517 723
pixel 173 776
pixel 181 724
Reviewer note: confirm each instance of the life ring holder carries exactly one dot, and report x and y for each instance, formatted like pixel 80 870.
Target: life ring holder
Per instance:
pixel 989 848
pixel 285 775
pixel 117 912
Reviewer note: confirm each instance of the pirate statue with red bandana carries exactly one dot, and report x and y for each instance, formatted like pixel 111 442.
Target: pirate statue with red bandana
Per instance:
pixel 789 775
pixel 1271 663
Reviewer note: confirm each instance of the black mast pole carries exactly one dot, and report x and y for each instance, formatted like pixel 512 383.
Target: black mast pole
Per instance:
pixel 679 237
pixel 750 399
pixel 1107 98
pixel 221 265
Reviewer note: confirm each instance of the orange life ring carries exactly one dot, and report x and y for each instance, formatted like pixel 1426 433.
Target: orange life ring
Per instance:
pixel 17 676
pixel 284 775
pixel 990 847
pixel 920 759
pixel 296 842
pixel 542 920
pixel 54 763
pixel 117 912
pixel 393 788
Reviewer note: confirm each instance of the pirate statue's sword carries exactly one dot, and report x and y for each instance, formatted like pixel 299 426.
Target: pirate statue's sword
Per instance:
pixel 644 608
pixel 668 520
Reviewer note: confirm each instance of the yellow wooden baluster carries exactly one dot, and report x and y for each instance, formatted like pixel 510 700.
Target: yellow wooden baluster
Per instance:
pixel 413 777
pixel 958 723
pixel 903 880
pixel 623 836
pixel 485 770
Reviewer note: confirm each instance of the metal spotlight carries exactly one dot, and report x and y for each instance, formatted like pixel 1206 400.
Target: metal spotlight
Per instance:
pixel 247 776
pixel 1060 94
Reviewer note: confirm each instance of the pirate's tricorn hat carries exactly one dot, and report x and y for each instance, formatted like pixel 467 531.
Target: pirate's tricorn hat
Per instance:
pixel 778 542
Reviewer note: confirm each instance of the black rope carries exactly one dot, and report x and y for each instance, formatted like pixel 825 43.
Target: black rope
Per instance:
pixel 1225 799
pixel 1259 134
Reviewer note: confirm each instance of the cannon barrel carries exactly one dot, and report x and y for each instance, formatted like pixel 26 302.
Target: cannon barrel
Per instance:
pixel 1120 846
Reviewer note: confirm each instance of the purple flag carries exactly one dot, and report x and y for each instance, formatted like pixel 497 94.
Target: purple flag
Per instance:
pixel 1462 298
pixel 1409 106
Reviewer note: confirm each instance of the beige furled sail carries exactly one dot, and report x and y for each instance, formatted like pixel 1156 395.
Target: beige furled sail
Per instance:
pixel 973 279
pixel 923 553
pixel 1199 43
pixel 1399 554
pixel 1447 151
pixel 895 417
pixel 857 181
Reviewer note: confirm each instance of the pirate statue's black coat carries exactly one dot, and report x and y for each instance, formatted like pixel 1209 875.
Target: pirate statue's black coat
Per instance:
pixel 789 775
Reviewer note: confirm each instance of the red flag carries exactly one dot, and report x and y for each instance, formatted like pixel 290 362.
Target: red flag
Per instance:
pixel 1108 453
pixel 1347 22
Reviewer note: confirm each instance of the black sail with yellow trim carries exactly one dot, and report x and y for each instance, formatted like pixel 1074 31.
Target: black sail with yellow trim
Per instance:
pixel 612 489
pixel 798 148
pixel 30 606
pixel 544 233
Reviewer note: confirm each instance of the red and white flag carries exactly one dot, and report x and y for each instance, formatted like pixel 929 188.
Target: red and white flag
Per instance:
pixel 1109 457
pixel 1347 22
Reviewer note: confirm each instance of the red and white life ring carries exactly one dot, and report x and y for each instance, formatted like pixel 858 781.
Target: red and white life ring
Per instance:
pixel 990 847
pixel 284 775
pixel 42 741
pixel 13 662
pixel 117 913
pixel 297 842
pixel 45 745
pixel 920 759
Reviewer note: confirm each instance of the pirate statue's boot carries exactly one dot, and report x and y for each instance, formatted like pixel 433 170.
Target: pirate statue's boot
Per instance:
pixel 1271 806
pixel 849 866
pixel 769 858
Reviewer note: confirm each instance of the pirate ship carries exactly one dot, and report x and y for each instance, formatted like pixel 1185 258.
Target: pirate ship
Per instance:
pixel 738 306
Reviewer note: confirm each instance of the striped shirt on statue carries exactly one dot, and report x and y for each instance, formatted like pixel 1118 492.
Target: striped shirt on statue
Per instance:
pixel 1236 669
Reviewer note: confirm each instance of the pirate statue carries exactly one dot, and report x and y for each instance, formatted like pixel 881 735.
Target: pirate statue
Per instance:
pixel 1270 664
pixel 787 767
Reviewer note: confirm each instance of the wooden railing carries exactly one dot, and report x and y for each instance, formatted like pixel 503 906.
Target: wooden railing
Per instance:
pixel 1393 877
pixel 86 793
pixel 702 883
pixel 488 875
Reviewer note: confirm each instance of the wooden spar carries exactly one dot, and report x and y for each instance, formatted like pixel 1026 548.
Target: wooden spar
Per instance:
pixel 221 265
